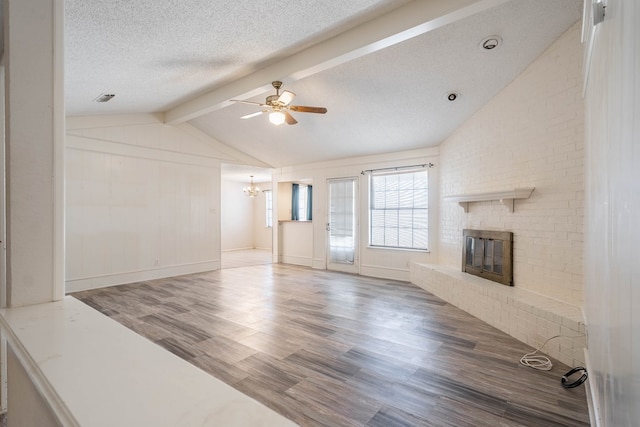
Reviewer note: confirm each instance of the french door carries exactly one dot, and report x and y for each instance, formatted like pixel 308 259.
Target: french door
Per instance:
pixel 342 238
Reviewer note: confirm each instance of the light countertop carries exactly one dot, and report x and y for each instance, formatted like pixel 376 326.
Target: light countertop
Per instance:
pixel 103 374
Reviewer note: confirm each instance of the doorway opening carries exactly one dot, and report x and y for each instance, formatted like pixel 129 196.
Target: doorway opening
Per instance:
pixel 246 216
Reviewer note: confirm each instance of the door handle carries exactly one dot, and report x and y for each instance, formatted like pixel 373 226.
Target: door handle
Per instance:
pixel 328 226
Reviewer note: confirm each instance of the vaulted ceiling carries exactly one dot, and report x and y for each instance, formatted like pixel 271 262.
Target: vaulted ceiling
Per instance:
pixel 382 68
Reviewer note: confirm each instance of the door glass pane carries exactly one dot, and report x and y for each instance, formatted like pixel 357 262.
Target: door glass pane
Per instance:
pixel 498 258
pixel 469 254
pixel 478 247
pixel 488 255
pixel 342 225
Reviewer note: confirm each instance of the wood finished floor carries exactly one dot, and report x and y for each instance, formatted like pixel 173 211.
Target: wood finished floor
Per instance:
pixel 331 349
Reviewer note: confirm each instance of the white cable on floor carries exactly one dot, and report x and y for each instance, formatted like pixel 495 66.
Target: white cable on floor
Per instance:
pixel 540 362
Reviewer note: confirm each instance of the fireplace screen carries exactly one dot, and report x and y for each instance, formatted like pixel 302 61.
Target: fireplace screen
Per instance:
pixel 488 254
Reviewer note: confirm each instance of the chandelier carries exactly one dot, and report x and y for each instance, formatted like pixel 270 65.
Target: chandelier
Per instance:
pixel 251 190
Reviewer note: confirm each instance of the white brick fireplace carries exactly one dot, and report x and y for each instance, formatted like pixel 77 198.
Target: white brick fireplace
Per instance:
pixel 530 135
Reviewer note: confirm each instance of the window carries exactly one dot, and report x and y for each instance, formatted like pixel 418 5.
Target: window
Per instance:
pixel 268 196
pixel 301 202
pixel 398 210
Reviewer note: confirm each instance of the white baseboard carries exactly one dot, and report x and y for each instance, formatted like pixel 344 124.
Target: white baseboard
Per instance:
pixel 244 249
pixel 385 272
pixel 319 264
pixel 592 398
pixel 86 283
pixel 296 260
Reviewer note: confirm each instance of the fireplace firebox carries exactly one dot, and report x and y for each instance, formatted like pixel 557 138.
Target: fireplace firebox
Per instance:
pixel 488 254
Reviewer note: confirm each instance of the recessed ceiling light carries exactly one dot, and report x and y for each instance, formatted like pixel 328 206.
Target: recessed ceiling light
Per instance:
pixel 104 97
pixel 452 96
pixel 491 42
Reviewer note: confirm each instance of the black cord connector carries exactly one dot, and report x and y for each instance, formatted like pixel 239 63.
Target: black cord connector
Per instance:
pixel 565 378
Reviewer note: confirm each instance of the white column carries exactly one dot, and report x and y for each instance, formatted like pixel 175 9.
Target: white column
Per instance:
pixel 34 144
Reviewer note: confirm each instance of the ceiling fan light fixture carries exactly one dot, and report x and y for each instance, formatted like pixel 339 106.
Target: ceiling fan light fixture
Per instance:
pixel 276 117
pixel 278 106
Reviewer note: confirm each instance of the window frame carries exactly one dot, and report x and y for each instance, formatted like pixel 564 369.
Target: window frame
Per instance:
pixel 268 195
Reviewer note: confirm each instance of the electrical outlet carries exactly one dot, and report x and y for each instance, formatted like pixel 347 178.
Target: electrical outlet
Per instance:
pixel 156 262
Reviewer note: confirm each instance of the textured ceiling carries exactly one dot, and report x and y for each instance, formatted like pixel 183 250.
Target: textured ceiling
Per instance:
pixel 242 173
pixel 157 55
pixel 154 54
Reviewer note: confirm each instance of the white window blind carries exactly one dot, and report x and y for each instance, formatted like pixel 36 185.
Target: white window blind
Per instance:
pixel 303 194
pixel 399 210
pixel 342 220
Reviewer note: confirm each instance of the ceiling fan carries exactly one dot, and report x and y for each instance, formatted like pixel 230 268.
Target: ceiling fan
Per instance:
pixel 278 107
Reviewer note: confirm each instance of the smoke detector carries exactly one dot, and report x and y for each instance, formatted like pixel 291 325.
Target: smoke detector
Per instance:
pixel 491 42
pixel 104 97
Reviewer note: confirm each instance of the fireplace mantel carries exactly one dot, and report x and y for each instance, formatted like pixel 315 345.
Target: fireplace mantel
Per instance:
pixel 505 197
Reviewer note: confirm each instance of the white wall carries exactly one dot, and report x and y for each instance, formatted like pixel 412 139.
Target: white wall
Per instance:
pixel 237 212
pixel 612 284
pixel 262 235
pixel 529 135
pixel 283 205
pixel 386 263
pixel 33 153
pixel 296 242
pixel 142 200
pixel 243 219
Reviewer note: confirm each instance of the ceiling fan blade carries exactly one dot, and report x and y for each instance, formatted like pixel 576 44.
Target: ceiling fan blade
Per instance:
pixel 289 118
pixel 248 116
pixel 248 102
pixel 306 109
pixel 286 97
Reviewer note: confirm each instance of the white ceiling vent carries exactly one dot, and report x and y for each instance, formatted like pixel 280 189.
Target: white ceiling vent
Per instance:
pixel 104 97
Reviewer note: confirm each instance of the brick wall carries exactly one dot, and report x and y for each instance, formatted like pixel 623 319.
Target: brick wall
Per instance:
pixel 529 135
